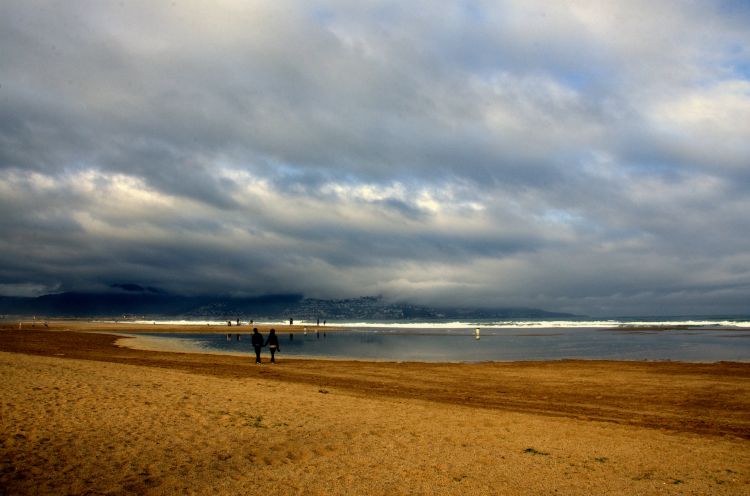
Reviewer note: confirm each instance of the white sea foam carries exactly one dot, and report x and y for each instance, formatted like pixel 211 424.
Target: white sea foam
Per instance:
pixel 545 324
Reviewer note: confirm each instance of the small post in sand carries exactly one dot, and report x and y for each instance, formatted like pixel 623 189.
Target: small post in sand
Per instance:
pixel 476 333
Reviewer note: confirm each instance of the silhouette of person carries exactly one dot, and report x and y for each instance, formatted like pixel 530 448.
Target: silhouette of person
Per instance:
pixel 273 344
pixel 257 342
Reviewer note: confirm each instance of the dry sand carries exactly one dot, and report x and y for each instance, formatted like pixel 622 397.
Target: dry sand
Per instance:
pixel 79 415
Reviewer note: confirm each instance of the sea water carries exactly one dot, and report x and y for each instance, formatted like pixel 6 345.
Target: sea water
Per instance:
pixel 698 341
pixel 711 321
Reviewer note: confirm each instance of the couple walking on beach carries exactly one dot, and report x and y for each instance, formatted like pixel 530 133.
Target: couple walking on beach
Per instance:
pixel 272 342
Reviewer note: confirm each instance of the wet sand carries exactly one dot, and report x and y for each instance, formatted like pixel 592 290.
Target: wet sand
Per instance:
pixel 80 415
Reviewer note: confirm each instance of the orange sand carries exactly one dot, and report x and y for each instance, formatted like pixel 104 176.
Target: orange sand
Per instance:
pixel 81 416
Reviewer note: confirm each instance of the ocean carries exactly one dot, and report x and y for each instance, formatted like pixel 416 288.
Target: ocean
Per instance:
pixel 694 339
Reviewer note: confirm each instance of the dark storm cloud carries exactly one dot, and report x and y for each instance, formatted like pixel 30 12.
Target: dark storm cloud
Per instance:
pixel 585 156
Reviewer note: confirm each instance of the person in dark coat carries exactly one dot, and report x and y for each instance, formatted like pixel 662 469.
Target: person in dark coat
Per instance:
pixel 257 342
pixel 273 344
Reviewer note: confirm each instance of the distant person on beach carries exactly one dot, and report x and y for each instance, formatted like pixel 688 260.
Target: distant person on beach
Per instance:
pixel 273 344
pixel 257 344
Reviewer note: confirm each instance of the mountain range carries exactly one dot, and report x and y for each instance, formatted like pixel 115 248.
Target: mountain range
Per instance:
pixel 134 301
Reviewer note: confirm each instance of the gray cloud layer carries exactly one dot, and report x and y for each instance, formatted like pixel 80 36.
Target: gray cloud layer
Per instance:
pixel 585 156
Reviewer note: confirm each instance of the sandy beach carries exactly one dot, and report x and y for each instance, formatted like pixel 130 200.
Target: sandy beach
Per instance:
pixel 81 415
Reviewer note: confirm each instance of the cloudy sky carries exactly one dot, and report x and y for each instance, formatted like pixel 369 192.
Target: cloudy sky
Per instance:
pixel 590 156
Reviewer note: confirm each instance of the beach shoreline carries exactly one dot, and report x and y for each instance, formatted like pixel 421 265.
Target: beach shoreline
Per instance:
pixel 467 346
pixel 649 423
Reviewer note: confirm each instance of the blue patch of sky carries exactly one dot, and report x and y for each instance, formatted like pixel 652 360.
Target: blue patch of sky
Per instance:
pixel 586 70
pixel 738 61
pixel 323 15
pixel 472 11
pixel 742 70
pixel 576 80
pixel 735 8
